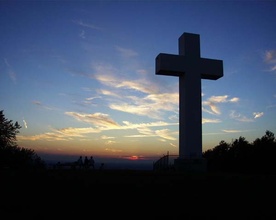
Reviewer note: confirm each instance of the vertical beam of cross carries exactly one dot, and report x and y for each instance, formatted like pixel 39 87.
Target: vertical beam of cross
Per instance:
pixel 190 68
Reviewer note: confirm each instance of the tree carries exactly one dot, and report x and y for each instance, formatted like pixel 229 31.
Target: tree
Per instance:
pixel 242 156
pixel 8 131
pixel 11 155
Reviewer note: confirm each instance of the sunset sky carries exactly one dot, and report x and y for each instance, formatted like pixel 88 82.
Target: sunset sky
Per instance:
pixel 79 76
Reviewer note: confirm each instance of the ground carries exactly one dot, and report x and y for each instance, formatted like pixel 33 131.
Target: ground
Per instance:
pixel 134 194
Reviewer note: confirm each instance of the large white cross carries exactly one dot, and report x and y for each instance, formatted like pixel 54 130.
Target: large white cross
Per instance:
pixel 190 68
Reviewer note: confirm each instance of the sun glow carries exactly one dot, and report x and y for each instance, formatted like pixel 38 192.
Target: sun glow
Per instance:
pixel 134 157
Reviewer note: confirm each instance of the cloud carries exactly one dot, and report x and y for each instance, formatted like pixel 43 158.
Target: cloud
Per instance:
pixel 87 25
pixel 127 53
pixel 112 77
pixel 208 120
pixel 151 106
pixel 7 63
pixel 77 132
pixel 273 68
pixel 165 133
pixel 91 100
pixel 232 131
pixel 11 73
pixel 239 117
pixel 25 123
pixel 82 34
pixel 270 58
pixel 134 85
pixel 97 119
pixel 112 150
pixel 271 106
pixel 38 103
pixel 142 71
pixel 214 100
pixel 102 122
pixel 108 93
pixel 48 136
pixel 145 98
pixel 258 114
pixel 104 137
pixel 173 145
pixel 64 134
pixel 105 74
pixel 222 99
pixel 242 118
pixel 109 142
pixel 147 132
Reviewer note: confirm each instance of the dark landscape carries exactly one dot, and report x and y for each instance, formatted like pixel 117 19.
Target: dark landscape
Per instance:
pixel 239 183
pixel 136 194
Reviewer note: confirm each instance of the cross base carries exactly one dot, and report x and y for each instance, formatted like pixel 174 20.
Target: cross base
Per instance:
pixel 190 165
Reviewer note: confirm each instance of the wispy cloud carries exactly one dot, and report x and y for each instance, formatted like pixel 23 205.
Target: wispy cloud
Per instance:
pixel 213 102
pixel 165 133
pixel 108 93
pixel 112 77
pixel 91 101
pixel 147 101
pixel 77 132
pixel 151 105
pixel 231 131
pixel 104 137
pixel 82 34
pixel 39 104
pixel 127 53
pixel 147 132
pixel 11 73
pixel 100 122
pixel 208 120
pixel 111 149
pixel 87 25
pixel 97 119
pixel 270 58
pixel 258 114
pixel 25 123
pixel 240 117
pixel 135 85
pixel 109 142
pixel 64 134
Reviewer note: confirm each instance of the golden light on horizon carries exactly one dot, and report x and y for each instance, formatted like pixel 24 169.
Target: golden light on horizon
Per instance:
pixel 134 157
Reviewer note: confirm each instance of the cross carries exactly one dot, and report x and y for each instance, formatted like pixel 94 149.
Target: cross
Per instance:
pixel 190 68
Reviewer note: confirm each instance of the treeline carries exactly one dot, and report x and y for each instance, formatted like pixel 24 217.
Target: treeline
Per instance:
pixel 11 155
pixel 244 157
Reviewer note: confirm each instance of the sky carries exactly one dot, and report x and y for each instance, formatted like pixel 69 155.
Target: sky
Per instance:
pixel 79 76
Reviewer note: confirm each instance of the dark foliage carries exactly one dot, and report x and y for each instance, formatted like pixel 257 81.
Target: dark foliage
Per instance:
pixel 11 155
pixel 242 156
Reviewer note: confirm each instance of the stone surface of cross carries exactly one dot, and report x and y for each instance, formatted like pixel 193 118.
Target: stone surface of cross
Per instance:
pixel 190 68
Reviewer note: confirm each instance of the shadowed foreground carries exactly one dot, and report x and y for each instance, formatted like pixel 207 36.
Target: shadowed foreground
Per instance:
pixel 128 194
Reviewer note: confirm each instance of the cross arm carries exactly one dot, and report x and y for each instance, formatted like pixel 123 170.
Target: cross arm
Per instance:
pixel 211 68
pixel 168 64
pixel 177 65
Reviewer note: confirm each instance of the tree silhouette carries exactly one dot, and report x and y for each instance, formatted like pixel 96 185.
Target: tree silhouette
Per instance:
pixel 242 156
pixel 8 131
pixel 11 155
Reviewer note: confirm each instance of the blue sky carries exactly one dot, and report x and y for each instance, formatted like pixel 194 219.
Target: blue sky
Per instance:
pixel 79 76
